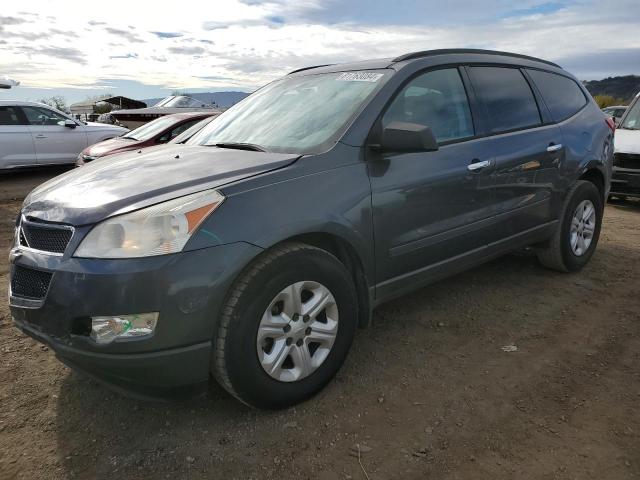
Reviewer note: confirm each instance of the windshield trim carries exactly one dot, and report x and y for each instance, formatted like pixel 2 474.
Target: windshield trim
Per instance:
pixel 325 146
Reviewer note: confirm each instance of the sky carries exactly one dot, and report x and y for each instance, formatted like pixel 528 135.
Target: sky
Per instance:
pixel 141 49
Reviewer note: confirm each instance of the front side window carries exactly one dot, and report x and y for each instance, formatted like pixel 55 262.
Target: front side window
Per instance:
pixel 151 129
pixel 9 116
pixel 174 132
pixel 42 116
pixel 563 96
pixel 436 99
pixel 507 98
pixel 632 120
pixel 296 114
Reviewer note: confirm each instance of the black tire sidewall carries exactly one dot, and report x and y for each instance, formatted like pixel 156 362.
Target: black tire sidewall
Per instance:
pixel 584 191
pixel 249 380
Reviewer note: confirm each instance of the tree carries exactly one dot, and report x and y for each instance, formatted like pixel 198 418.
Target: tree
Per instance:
pixel 605 101
pixel 56 101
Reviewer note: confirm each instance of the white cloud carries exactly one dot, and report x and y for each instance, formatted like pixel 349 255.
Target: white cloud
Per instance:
pixel 245 44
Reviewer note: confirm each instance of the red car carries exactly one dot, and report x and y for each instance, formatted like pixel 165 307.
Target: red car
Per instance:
pixel 158 131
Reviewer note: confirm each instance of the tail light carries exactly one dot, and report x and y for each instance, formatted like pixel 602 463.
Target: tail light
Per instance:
pixel 611 122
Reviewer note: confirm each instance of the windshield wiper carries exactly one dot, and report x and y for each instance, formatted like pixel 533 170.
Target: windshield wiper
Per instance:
pixel 130 138
pixel 241 146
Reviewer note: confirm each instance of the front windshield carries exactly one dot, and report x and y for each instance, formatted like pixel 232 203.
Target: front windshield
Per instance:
pixel 151 129
pixel 179 101
pixel 632 120
pixel 294 114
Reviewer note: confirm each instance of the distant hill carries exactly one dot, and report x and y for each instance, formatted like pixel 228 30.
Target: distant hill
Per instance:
pixel 222 99
pixel 619 87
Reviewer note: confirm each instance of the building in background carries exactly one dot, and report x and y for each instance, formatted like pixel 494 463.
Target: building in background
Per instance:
pixel 92 110
pixel 134 118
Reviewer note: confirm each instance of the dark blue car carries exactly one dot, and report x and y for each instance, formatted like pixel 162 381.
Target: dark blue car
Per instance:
pixel 253 252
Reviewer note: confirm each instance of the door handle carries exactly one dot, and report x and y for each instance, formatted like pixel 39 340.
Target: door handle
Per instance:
pixel 478 165
pixel 40 135
pixel 554 148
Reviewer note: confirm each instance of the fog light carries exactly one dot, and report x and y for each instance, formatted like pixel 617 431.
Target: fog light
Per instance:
pixel 107 329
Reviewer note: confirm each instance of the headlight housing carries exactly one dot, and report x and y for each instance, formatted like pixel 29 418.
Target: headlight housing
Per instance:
pixel 157 230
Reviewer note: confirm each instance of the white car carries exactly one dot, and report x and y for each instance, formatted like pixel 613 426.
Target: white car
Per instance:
pixel 33 134
pixel 625 180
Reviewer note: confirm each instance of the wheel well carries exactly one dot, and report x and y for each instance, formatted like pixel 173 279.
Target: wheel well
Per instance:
pixel 595 176
pixel 347 254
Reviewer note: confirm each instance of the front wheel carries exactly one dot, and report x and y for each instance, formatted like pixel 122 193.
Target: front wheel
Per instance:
pixel 286 328
pixel 578 230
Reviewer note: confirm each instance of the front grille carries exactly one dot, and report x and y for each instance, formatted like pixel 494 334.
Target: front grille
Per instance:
pixel 627 160
pixel 48 238
pixel 29 283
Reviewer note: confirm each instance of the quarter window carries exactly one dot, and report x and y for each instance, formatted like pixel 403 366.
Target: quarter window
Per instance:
pixel 9 116
pixel 563 96
pixel 436 99
pixel 507 98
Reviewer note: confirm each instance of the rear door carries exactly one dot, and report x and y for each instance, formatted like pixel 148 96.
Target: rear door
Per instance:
pixel 16 142
pixel 527 148
pixel 54 143
pixel 429 207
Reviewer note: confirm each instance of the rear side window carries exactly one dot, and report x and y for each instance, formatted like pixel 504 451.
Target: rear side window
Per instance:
pixel 562 95
pixel 436 99
pixel 507 98
pixel 9 116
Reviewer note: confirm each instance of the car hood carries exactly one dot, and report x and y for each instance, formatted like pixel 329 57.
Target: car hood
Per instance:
pixel 132 180
pixel 97 126
pixel 627 141
pixel 110 146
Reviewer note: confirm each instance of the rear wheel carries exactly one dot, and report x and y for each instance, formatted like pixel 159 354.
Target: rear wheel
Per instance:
pixel 286 328
pixel 578 231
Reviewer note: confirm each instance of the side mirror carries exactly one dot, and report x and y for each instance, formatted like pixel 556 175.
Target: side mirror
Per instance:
pixel 67 123
pixel 407 137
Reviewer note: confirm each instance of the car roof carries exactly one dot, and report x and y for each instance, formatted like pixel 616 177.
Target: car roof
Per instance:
pixel 182 115
pixel 19 103
pixel 455 55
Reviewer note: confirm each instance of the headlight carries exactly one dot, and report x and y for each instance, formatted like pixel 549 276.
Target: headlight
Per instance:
pixel 156 230
pixel 107 329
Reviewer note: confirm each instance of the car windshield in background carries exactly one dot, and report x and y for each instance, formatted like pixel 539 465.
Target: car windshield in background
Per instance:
pixel 151 129
pixel 632 121
pixel 179 101
pixel 294 114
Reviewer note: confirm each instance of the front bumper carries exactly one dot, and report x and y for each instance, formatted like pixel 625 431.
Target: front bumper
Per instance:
pixel 625 181
pixel 187 289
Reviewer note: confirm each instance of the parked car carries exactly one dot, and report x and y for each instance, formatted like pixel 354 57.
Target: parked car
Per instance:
pixel 616 112
pixel 157 132
pixel 625 181
pixel 292 215
pixel 33 134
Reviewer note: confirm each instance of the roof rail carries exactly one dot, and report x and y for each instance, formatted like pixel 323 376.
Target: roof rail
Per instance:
pixel 446 51
pixel 310 68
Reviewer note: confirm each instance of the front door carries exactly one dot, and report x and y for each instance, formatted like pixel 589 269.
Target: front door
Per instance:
pixel 54 143
pixel 430 207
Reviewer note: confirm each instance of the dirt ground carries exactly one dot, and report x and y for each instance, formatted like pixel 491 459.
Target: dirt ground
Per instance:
pixel 427 392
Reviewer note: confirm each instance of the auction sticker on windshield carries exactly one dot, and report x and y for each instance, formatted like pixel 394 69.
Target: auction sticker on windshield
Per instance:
pixel 359 77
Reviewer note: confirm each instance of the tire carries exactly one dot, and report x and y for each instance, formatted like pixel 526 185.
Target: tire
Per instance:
pixel 559 254
pixel 240 349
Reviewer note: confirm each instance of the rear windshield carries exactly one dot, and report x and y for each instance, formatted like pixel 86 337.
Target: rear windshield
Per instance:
pixel 295 114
